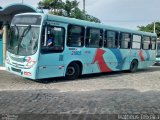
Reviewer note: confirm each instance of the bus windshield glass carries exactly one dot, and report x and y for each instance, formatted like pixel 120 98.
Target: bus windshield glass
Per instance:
pixel 23 40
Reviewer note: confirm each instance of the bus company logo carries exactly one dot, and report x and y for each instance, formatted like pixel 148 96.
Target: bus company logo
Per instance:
pixel 28 59
pixel 22 59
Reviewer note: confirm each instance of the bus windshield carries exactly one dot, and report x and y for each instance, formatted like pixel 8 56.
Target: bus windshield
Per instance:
pixel 23 40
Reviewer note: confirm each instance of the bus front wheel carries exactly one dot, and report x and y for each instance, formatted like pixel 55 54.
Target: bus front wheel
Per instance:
pixel 134 66
pixel 72 71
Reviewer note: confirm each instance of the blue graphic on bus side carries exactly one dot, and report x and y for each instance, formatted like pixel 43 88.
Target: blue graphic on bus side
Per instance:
pixel 119 57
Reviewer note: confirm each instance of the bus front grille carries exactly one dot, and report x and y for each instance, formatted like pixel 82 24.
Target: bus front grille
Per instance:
pixel 16 70
pixel 22 60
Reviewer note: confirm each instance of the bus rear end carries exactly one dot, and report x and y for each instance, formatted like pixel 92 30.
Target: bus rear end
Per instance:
pixel 23 45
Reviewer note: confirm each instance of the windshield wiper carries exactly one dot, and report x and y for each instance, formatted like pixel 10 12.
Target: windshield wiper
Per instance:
pixel 17 30
pixel 13 31
pixel 23 35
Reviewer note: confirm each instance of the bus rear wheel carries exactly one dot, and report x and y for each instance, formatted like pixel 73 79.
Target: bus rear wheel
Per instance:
pixel 134 66
pixel 72 71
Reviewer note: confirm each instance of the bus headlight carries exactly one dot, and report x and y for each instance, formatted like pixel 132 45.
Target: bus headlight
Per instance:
pixel 7 60
pixel 30 64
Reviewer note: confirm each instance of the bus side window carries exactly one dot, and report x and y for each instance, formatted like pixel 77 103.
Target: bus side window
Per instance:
pixel 111 39
pixel 153 43
pixel 53 36
pixel 136 41
pixel 146 42
pixel 75 36
pixel 94 38
pixel 125 40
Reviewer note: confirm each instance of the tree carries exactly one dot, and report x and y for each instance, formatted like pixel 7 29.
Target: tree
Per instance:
pixel 78 14
pixel 150 27
pixel 54 6
pixel 92 18
pixel 57 6
pixel 67 9
pixel 45 4
pixel 70 6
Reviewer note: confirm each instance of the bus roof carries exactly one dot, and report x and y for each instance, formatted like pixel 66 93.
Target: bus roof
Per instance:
pixel 86 23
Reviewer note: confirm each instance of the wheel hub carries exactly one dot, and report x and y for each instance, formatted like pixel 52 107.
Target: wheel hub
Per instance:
pixel 70 71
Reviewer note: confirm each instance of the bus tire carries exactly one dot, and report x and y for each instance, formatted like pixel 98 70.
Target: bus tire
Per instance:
pixel 134 66
pixel 72 71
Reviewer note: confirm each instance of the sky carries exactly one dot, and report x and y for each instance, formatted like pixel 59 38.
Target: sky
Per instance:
pixel 121 13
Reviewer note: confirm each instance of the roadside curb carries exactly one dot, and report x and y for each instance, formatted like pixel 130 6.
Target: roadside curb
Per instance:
pixel 2 68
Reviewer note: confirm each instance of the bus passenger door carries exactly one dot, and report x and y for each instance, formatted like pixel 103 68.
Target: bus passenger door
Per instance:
pixel 51 62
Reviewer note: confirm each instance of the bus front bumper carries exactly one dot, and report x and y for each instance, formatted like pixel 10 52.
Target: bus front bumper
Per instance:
pixel 26 73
